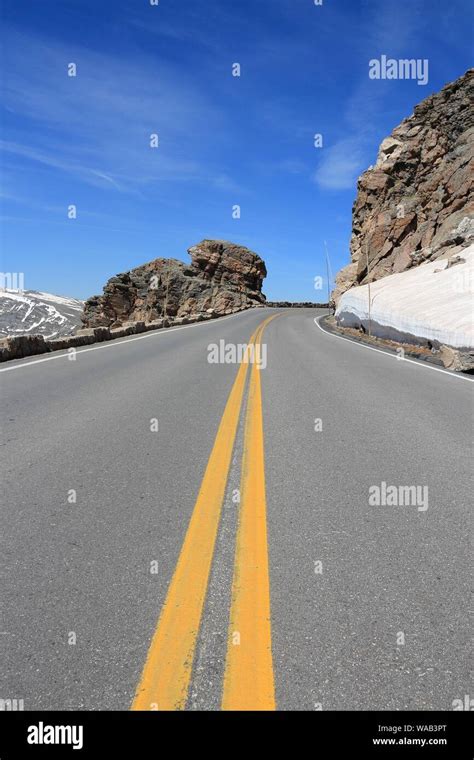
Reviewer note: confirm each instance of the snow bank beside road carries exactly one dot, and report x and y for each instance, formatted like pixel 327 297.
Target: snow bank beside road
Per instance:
pixel 429 303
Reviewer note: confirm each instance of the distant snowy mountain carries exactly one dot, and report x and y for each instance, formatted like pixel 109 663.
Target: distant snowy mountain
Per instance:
pixel 30 312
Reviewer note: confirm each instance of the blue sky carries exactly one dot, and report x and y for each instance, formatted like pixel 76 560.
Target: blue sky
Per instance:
pixel 223 140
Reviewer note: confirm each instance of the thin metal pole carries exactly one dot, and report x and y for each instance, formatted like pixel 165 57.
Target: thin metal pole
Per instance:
pixel 327 275
pixel 166 294
pixel 368 288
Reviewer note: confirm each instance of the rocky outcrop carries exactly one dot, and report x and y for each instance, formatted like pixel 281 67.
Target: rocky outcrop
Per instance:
pixel 416 203
pixel 222 278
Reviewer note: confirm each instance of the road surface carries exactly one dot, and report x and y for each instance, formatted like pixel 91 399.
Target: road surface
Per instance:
pixel 184 534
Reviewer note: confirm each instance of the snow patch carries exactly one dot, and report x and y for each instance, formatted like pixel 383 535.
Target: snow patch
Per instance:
pixel 430 302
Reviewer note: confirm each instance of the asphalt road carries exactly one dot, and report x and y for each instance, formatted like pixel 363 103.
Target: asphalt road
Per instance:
pixel 367 605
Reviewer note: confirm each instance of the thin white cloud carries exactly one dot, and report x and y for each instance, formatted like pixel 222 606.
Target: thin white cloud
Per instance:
pixel 97 126
pixel 392 29
pixel 341 165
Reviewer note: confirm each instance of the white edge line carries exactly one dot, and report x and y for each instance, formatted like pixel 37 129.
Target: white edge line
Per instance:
pixel 387 353
pixel 121 342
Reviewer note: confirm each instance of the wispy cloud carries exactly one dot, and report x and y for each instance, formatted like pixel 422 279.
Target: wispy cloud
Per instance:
pixel 341 164
pixel 97 126
pixel 88 174
pixel 393 29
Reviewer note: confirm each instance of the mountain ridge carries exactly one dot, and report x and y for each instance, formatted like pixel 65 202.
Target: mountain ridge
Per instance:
pixel 34 312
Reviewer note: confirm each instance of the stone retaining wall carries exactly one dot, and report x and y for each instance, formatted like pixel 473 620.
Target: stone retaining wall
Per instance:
pixel 21 346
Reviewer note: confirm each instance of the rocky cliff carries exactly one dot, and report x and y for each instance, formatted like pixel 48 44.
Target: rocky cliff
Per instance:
pixel 222 277
pixel 416 203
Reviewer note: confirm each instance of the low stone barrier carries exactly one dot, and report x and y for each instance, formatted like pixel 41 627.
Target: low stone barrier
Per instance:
pixel 21 346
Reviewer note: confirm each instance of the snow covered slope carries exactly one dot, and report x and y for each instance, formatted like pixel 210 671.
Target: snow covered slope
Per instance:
pixel 30 312
pixel 429 303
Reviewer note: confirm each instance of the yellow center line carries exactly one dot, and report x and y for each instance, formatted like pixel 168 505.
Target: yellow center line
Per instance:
pixel 166 676
pixel 248 677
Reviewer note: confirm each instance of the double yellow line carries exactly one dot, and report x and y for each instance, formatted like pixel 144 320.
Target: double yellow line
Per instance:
pixel 248 678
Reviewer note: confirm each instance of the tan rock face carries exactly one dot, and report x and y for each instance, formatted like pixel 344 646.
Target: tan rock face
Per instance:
pixel 222 277
pixel 416 204
pixel 458 361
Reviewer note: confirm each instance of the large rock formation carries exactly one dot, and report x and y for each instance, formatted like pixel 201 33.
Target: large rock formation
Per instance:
pixel 222 277
pixel 416 203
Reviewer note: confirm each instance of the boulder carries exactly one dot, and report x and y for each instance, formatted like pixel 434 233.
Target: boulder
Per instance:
pixel 457 360
pixel 102 333
pixel 155 324
pixel 19 346
pixel 132 328
pixel 86 334
pixel 222 278
pixel 120 332
pixel 71 341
